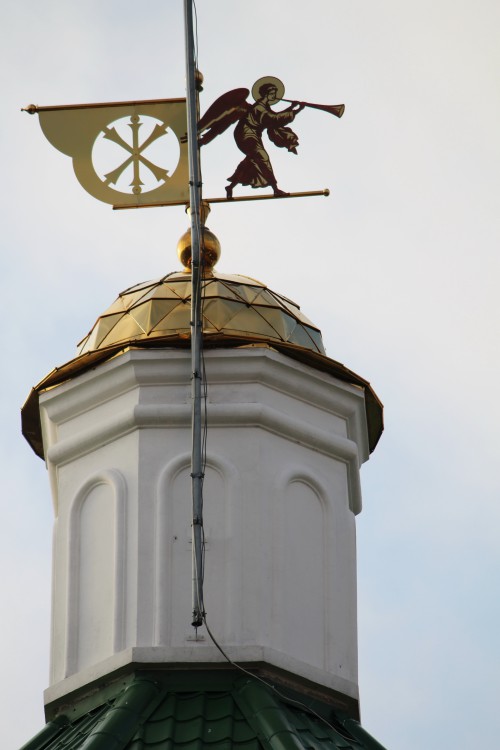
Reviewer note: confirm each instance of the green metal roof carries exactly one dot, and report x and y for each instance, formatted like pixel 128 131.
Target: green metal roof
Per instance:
pixel 220 711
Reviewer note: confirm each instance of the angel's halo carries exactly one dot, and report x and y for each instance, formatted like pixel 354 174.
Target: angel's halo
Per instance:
pixel 280 87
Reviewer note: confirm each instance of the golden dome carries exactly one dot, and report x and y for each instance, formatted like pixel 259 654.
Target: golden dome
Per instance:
pixel 237 311
pixel 236 308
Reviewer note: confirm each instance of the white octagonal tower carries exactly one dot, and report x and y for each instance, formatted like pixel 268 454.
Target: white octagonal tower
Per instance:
pixel 288 429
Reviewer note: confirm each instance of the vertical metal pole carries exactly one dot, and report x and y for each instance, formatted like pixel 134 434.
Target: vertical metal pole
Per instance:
pixel 196 323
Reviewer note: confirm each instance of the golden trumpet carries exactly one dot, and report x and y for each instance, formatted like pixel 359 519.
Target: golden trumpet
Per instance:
pixel 333 109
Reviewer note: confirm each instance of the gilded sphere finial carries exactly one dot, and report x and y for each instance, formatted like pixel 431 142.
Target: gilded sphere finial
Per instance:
pixel 210 250
pixel 198 79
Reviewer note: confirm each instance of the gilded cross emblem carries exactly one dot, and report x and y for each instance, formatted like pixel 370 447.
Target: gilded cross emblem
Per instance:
pixel 136 158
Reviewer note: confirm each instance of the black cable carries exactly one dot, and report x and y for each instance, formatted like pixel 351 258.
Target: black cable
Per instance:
pixel 204 386
pixel 272 687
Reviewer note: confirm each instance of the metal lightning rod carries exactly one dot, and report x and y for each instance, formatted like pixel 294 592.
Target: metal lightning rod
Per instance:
pixel 196 323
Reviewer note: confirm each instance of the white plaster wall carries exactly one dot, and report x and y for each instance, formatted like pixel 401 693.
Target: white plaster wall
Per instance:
pixel 281 489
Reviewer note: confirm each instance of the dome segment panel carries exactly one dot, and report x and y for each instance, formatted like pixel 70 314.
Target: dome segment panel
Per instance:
pixel 150 315
pixel 260 327
pixel 315 336
pixel 103 326
pixel 125 329
pixel 137 293
pixel 219 312
pixel 292 307
pixel 118 306
pixel 176 322
pixel 161 290
pixel 243 293
pixel 213 289
pixel 302 337
pixel 284 324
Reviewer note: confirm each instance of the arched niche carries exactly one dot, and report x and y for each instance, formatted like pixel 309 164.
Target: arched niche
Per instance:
pixel 300 569
pixel 174 548
pixel 97 572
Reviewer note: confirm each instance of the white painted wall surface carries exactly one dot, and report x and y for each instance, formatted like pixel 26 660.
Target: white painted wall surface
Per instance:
pixel 285 443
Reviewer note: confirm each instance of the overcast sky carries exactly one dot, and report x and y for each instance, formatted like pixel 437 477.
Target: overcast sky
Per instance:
pixel 399 268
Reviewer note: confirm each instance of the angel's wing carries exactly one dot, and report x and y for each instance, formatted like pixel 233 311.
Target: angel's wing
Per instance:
pixel 225 111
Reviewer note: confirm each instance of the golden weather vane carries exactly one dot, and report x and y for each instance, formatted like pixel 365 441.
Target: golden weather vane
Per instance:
pixel 137 179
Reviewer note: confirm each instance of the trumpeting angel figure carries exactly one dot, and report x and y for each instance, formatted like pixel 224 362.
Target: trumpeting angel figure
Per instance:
pixel 252 120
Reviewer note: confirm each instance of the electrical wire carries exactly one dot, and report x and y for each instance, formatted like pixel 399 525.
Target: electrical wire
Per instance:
pixel 204 396
pixel 198 292
pixel 201 290
pixel 272 687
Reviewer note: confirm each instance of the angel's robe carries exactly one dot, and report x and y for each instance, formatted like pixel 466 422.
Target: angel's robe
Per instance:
pixel 256 169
